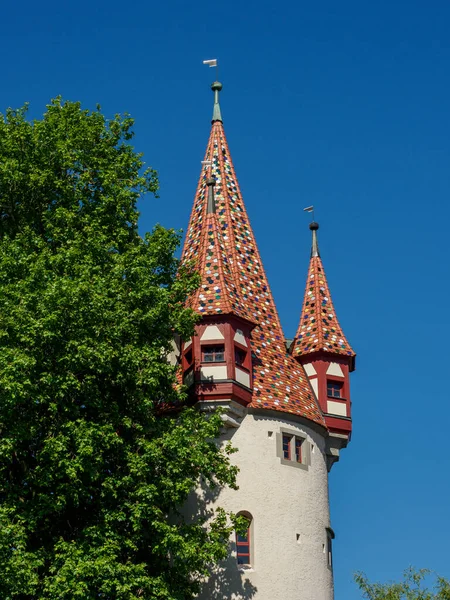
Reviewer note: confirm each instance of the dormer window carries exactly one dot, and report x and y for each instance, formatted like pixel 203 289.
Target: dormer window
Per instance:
pixel 334 389
pixel 213 354
pixel 240 356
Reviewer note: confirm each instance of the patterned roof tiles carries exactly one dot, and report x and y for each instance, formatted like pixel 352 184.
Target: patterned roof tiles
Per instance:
pixel 279 382
pixel 217 293
pixel 319 329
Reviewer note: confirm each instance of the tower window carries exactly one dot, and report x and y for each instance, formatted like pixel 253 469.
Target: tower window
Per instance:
pixel 334 389
pixel 243 543
pixel 329 547
pixel 239 356
pixel 211 354
pixel 287 439
pixel 293 449
pixel 298 449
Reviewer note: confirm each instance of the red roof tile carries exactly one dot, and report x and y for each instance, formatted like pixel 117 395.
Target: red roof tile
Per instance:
pixel 217 293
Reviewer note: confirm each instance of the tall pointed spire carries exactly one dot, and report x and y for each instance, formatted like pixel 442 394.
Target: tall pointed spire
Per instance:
pixel 222 247
pixel 319 329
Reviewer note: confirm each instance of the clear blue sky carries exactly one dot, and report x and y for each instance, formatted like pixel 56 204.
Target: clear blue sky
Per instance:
pixel 344 105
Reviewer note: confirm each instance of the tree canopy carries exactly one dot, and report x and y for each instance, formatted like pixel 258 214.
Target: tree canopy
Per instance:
pixel 91 474
pixel 412 587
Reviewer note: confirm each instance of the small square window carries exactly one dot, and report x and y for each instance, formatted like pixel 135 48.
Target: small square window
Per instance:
pixel 212 354
pixel 293 449
pixel 334 389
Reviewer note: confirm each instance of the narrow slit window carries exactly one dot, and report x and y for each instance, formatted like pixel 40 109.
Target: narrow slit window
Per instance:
pixel 330 551
pixel 329 547
pixel 287 446
pixel 243 544
pixel 298 449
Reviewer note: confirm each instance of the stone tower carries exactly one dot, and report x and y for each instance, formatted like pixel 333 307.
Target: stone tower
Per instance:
pixel 287 408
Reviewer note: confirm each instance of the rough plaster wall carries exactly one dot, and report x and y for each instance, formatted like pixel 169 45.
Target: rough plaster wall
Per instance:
pixel 284 501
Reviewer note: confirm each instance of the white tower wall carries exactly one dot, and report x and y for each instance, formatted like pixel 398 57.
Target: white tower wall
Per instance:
pixel 290 510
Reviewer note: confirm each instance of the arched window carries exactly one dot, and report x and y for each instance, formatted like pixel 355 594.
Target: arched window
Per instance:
pixel 244 550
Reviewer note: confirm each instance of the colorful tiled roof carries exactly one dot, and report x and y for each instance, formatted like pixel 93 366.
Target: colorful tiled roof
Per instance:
pixel 217 293
pixel 279 382
pixel 319 328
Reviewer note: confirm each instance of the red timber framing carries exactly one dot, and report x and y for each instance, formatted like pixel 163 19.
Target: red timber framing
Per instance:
pixel 203 356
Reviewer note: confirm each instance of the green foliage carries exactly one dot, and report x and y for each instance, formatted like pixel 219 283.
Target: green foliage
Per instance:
pixel 90 476
pixel 411 588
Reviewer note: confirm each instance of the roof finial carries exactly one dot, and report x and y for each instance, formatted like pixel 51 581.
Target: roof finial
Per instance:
pixel 314 227
pixel 217 115
pixel 216 87
pixel 315 246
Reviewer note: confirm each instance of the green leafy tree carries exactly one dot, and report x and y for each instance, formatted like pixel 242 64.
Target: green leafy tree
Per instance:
pixel 91 475
pixel 413 587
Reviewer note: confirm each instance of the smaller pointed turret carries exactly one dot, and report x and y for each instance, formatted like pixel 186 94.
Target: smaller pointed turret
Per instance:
pixel 322 348
pixel 319 329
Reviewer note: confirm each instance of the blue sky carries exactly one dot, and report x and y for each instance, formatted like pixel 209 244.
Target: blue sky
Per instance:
pixel 344 105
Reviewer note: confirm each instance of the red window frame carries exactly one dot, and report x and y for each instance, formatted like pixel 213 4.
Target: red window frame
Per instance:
pixel 286 441
pixel 242 354
pixel 298 449
pixel 214 351
pixel 335 388
pixel 243 548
